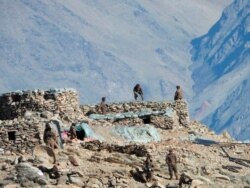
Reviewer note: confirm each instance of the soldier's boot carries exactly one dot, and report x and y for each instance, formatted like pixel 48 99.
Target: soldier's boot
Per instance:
pixel 176 177
pixel 149 176
pixel 144 177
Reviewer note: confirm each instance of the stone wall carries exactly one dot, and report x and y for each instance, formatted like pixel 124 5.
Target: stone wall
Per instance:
pixel 161 114
pixel 23 115
pixel 16 137
pixel 15 104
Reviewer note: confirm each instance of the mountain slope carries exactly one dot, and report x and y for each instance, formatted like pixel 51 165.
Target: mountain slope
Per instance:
pixel 101 48
pixel 234 114
pixel 221 72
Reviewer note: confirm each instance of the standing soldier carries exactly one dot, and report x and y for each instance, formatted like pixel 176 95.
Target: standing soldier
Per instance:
pixel 171 161
pixel 148 168
pixel 147 172
pixel 178 94
pixel 103 106
pixel 72 131
pixel 50 137
pixel 138 91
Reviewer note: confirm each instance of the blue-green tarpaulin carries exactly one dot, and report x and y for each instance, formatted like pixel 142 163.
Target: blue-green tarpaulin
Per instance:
pixel 87 130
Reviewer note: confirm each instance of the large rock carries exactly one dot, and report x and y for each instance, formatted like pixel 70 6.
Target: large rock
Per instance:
pixel 74 160
pixel 246 179
pixel 196 184
pixel 44 155
pixel 25 170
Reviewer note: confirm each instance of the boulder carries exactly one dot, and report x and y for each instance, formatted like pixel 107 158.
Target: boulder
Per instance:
pixel 246 179
pixel 25 170
pixel 44 155
pixel 74 160
pixel 77 181
pixel 196 184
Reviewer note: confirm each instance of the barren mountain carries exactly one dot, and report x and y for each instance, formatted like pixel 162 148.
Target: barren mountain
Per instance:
pixel 221 72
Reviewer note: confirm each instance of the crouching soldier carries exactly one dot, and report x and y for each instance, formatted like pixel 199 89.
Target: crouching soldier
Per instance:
pixel 171 161
pixel 185 179
pixel 50 137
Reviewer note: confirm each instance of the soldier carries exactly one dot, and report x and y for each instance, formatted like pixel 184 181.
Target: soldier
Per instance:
pixel 72 131
pixel 148 168
pixel 171 161
pixel 178 94
pixel 49 137
pixel 185 179
pixel 138 91
pixel 103 106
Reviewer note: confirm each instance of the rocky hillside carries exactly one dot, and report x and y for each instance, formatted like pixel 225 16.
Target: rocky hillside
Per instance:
pixel 221 72
pixel 123 138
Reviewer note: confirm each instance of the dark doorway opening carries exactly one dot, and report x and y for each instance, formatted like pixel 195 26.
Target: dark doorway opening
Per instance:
pixel 12 135
pixel 147 120
pixel 80 134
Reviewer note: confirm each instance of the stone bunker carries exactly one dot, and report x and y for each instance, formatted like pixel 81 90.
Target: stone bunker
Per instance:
pixel 24 113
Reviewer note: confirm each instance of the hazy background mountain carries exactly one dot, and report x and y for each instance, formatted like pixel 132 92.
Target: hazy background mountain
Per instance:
pixel 103 48
pixel 221 72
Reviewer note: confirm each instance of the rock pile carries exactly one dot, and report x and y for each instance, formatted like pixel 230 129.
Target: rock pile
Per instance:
pixel 138 150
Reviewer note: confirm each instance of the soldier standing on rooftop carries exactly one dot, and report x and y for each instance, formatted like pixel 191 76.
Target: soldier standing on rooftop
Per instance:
pixel 103 106
pixel 138 91
pixel 178 94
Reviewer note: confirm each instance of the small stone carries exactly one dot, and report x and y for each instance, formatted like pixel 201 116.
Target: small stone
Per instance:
pixel 74 160
pixel 41 181
pixel 11 186
pixel 196 183
pixel 219 176
pixel 77 181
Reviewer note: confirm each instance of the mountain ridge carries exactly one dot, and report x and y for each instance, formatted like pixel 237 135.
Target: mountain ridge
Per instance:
pixel 222 57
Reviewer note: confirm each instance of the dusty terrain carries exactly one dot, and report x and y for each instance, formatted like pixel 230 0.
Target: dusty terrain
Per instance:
pixel 115 145
pixel 211 165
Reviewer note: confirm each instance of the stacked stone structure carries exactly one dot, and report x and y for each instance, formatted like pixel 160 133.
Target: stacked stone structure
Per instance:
pixel 164 115
pixel 15 104
pixel 18 137
pixel 22 115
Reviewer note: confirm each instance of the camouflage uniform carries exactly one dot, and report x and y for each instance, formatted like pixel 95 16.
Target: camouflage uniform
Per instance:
pixel 178 94
pixel 148 168
pixel 171 160
pixel 138 91
pixel 185 179
pixel 72 131
pixel 103 106
pixel 50 137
